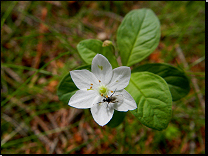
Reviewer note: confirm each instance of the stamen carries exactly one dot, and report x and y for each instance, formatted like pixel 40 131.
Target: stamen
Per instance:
pixel 91 84
pixel 99 81
pixel 101 94
pixel 90 87
pixel 111 91
pixel 106 96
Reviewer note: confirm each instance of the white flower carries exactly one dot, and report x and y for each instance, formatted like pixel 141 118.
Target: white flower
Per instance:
pixel 96 89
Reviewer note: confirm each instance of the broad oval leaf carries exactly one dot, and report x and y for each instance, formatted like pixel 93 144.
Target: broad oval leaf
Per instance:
pixel 138 36
pixel 176 78
pixel 90 47
pixel 67 88
pixel 153 98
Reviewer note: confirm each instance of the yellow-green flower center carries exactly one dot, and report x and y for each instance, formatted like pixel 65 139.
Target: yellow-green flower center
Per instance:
pixel 103 90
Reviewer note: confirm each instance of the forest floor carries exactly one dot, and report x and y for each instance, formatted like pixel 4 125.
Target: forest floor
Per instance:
pixel 38 48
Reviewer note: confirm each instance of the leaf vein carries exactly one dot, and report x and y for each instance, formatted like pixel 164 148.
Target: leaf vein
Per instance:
pixel 136 37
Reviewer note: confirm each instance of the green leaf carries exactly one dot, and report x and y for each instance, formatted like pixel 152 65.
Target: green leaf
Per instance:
pixel 176 79
pixel 153 98
pixel 138 36
pixel 67 88
pixel 117 119
pixel 90 47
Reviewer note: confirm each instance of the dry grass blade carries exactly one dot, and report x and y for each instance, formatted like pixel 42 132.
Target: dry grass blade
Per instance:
pixel 193 79
pixel 23 131
pixel 108 14
pixel 13 133
pixel 11 73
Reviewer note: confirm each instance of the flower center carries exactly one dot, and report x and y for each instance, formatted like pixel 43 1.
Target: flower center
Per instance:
pixel 103 90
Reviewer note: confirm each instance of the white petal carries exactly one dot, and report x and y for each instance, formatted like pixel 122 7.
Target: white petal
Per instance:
pixel 127 104
pixel 84 78
pixel 84 99
pixel 102 69
pixel 102 114
pixel 120 79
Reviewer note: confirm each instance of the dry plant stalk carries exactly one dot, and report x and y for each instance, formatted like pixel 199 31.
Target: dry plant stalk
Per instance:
pixel 193 79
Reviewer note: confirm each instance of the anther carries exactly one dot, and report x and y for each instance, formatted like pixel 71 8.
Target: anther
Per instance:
pixel 101 94
pixel 99 81
pixel 90 87
pixel 111 91
pixel 106 96
pixel 91 84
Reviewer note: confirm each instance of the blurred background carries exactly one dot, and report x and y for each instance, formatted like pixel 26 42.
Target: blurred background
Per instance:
pixel 38 48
